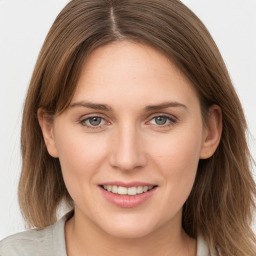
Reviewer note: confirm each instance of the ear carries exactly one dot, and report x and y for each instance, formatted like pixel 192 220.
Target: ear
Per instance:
pixel 46 124
pixel 212 132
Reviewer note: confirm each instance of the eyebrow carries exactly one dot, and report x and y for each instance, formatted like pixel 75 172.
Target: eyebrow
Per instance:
pixel 165 105
pixel 108 108
pixel 91 105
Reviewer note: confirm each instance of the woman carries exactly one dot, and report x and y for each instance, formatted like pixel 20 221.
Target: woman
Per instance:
pixel 132 121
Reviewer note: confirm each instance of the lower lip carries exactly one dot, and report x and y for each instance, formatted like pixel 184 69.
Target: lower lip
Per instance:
pixel 126 201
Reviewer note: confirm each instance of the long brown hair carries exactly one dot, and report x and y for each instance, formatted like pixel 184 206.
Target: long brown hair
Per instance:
pixel 221 203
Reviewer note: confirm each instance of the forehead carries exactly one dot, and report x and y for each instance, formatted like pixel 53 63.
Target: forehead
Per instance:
pixel 131 72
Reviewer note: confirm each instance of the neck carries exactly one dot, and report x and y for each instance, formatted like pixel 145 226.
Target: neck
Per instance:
pixel 83 237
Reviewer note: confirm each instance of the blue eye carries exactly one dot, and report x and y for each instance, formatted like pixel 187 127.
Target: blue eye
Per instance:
pixel 94 121
pixel 162 120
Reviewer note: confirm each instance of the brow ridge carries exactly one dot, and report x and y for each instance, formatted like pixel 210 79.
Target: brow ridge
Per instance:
pixel 91 105
pixel 105 107
pixel 165 105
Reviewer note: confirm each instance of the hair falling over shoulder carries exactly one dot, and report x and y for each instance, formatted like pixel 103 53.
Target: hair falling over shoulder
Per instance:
pixel 221 204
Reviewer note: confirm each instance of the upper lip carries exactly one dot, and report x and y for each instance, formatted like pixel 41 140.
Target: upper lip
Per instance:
pixel 127 184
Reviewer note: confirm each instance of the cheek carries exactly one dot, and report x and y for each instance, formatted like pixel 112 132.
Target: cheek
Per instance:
pixel 182 148
pixel 177 163
pixel 80 160
pixel 78 152
pixel 177 158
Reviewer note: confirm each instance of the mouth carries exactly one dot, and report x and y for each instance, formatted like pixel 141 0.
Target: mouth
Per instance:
pixel 128 195
pixel 127 191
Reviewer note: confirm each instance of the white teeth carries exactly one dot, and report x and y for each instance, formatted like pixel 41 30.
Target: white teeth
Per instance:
pixel 132 191
pixel 145 189
pixel 122 191
pixel 139 190
pixel 114 189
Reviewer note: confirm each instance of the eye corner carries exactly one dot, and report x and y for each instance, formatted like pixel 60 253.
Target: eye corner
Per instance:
pixel 162 119
pixel 93 122
pixel 164 122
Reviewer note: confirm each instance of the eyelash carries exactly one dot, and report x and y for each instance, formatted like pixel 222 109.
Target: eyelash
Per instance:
pixel 83 122
pixel 170 119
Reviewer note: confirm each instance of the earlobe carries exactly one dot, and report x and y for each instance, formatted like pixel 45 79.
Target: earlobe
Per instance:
pixel 212 132
pixel 46 124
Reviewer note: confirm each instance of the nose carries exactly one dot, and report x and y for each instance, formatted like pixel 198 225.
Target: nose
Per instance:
pixel 127 152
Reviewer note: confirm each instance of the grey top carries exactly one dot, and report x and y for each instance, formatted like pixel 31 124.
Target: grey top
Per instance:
pixel 51 242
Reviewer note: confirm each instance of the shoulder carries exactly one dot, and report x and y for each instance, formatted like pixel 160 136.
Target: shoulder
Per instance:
pixel 49 241
pixel 27 243
pixel 202 247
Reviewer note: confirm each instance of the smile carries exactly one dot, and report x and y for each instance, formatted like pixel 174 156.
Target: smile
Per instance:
pixel 131 191
pixel 127 195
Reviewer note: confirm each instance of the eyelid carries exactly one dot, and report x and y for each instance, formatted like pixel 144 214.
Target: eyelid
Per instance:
pixel 83 119
pixel 170 117
pixel 173 119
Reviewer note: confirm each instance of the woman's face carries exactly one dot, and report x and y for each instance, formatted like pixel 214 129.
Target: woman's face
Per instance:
pixel 134 125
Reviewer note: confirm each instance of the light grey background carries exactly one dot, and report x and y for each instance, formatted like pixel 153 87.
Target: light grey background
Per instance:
pixel 23 27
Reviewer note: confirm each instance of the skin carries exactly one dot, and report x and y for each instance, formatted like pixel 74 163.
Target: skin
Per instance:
pixel 129 145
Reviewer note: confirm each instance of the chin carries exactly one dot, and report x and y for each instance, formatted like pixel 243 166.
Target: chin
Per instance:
pixel 129 229
pixel 129 233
